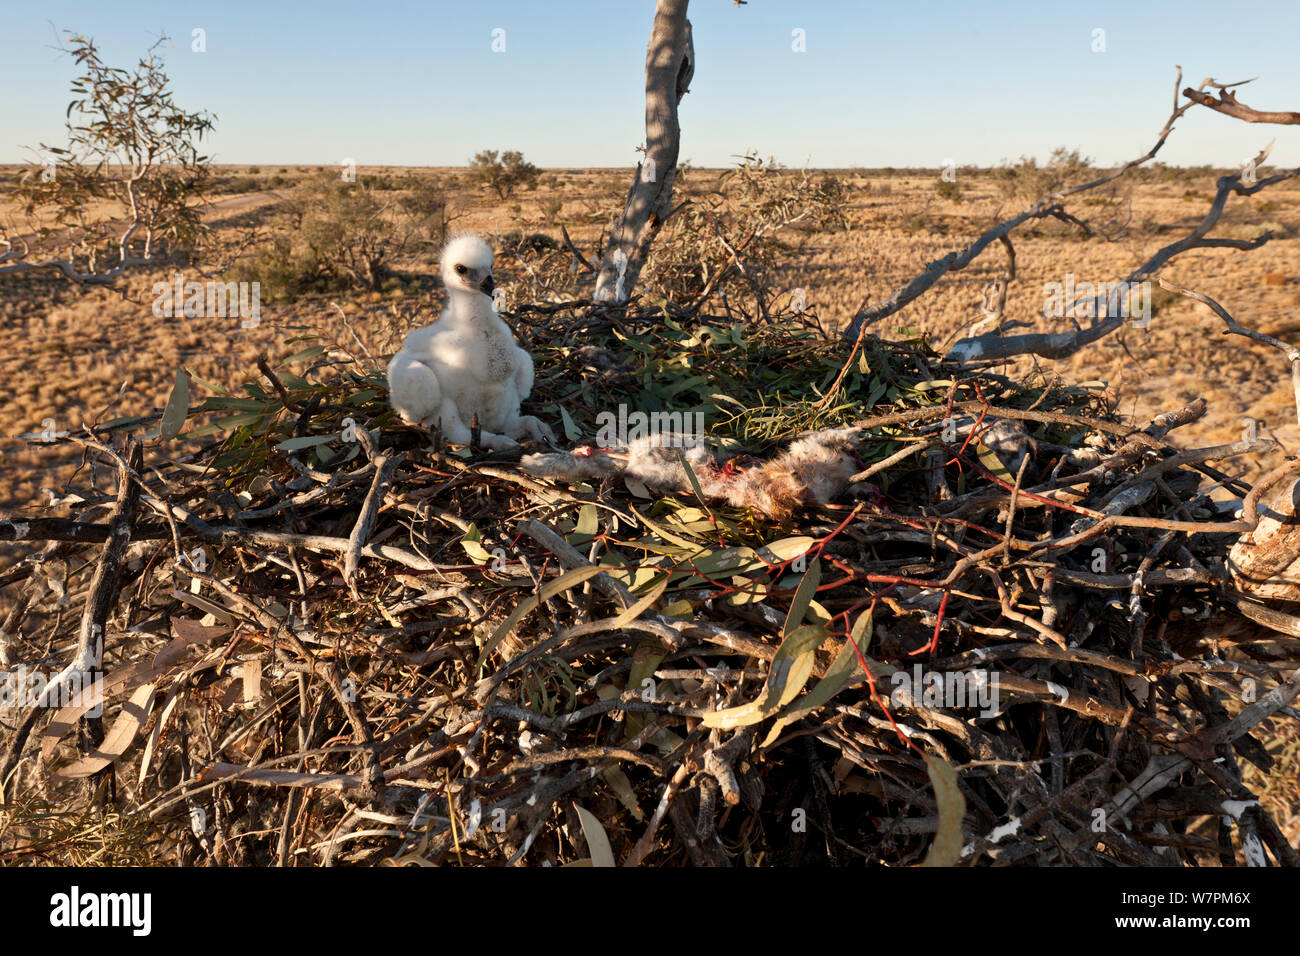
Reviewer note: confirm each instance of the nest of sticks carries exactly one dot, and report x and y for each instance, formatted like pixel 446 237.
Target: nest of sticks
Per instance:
pixel 1023 632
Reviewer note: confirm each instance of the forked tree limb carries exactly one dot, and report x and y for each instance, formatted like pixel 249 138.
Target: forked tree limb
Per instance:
pixel 1228 105
pixel 1048 206
pixel 103 587
pixel 994 346
pixel 1055 345
pixel 670 64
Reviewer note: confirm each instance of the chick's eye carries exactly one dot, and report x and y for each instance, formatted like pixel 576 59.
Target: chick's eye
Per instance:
pixel 460 270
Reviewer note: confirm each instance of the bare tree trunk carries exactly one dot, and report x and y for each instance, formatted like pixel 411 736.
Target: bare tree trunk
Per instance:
pixel 669 65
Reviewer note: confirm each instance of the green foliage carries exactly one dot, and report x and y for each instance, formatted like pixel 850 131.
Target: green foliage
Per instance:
pixel 1026 183
pixel 390 182
pixel 756 384
pixel 38 832
pixel 1029 182
pixel 947 189
pixel 502 173
pixel 346 235
pixel 728 240
pixel 341 236
pixel 426 206
pixel 128 146
pixel 263 425
pixel 237 184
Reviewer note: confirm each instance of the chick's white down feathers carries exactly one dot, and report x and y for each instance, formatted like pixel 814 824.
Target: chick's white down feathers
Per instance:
pixel 812 471
pixel 468 362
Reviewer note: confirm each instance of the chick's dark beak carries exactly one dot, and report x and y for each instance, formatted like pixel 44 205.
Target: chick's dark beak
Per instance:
pixel 487 285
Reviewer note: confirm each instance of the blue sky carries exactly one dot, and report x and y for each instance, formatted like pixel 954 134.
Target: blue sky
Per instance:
pixel 901 83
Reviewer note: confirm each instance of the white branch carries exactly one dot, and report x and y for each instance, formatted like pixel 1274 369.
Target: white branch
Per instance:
pixel 670 63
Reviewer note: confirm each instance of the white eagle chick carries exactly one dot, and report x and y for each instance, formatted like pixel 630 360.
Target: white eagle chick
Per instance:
pixel 468 362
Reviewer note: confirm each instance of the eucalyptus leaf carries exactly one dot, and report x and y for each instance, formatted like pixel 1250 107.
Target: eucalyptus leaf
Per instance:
pixel 178 407
pixel 946 848
pixel 472 542
pixel 307 353
pixel 571 430
pixel 789 671
pixel 803 595
pixel 844 671
pixel 305 441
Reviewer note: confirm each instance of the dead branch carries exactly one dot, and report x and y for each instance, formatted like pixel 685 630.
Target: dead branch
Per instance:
pixel 1228 104
pixel 1047 207
pixel 1108 316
